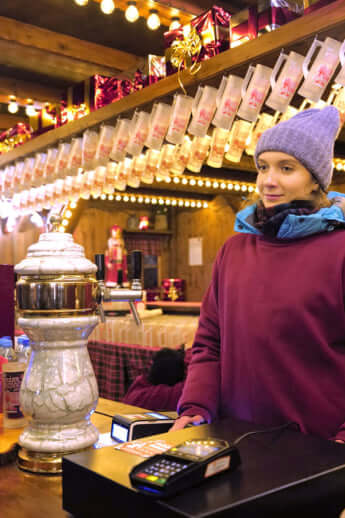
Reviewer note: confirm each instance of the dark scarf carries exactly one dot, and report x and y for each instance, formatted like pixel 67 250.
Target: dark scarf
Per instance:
pixel 268 221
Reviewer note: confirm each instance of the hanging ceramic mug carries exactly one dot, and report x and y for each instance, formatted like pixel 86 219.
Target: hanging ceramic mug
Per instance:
pixel 204 106
pixel 264 122
pixel 120 140
pixel 227 100
pixel 254 90
pixel 317 78
pixel 198 153
pixel 340 79
pixel 181 112
pixel 284 88
pixel 166 161
pixel 181 156
pixel 138 133
pixel 238 140
pixel 219 139
pixel 158 126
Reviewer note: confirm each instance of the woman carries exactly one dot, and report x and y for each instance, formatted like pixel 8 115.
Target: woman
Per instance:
pixel 270 347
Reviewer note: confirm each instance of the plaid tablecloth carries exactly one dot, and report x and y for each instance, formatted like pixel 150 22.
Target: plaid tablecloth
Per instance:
pixel 116 365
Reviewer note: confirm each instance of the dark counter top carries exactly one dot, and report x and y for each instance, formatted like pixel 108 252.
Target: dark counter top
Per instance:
pixel 283 474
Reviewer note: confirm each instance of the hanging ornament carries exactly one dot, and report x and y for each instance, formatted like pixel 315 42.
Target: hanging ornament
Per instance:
pixel 183 51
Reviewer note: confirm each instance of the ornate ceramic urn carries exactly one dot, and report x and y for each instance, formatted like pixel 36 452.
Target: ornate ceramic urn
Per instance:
pixel 59 296
pixel 57 302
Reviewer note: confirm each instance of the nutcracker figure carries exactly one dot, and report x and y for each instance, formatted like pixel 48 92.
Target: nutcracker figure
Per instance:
pixel 116 257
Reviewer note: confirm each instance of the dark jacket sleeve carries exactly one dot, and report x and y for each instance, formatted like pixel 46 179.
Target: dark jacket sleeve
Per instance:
pixel 153 397
pixel 201 391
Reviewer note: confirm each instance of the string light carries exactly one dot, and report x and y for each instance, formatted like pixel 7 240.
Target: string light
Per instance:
pixel 68 214
pixel 153 22
pixel 107 6
pixel 13 105
pixel 176 180
pixel 30 109
pixel 81 3
pixel 103 196
pixel 132 13
pixel 175 23
pixel 73 205
pixel 162 200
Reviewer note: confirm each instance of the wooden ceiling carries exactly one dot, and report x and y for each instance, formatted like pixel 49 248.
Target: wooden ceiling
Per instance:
pixel 47 45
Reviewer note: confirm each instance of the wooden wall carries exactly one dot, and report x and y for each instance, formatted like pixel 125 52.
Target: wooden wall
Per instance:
pixel 93 230
pixel 214 224
pixel 13 246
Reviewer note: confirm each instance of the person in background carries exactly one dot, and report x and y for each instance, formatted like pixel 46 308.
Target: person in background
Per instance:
pixel 162 387
pixel 270 346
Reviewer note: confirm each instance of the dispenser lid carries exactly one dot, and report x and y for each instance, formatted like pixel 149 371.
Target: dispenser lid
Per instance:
pixel 55 253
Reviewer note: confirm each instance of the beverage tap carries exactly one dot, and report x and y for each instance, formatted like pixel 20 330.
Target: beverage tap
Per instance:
pixel 111 294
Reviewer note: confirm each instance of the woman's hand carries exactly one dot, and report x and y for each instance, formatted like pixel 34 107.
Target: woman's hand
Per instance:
pixel 183 421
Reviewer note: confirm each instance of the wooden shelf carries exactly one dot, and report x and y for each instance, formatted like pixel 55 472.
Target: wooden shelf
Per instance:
pixel 149 232
pixel 296 35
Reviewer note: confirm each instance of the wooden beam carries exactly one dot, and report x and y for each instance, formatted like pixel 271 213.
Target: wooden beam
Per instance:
pixel 27 90
pixel 48 64
pixel 7 120
pixel 33 37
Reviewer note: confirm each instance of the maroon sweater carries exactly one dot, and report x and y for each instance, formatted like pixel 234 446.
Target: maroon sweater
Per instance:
pixel 270 347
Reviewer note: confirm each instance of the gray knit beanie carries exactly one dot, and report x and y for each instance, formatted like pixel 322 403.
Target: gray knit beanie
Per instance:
pixel 309 137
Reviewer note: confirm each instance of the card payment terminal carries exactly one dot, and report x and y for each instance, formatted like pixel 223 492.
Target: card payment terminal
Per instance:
pixel 127 427
pixel 184 466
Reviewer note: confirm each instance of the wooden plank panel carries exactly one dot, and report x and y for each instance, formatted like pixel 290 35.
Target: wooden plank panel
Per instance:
pixel 214 225
pixel 46 63
pixel 326 20
pixel 63 45
pixel 7 120
pixel 28 90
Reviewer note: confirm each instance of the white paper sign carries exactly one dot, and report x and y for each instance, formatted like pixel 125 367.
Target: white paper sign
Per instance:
pixel 195 251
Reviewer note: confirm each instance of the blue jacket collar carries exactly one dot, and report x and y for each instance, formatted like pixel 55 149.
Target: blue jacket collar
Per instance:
pixel 296 226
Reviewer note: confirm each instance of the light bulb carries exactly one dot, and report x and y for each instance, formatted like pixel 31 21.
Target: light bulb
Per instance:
pixel 30 110
pixel 81 2
pixel 107 6
pixel 132 13
pixel 153 21
pixel 13 105
pixel 175 23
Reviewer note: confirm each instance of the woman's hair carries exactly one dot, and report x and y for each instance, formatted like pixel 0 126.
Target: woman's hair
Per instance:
pixel 167 367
